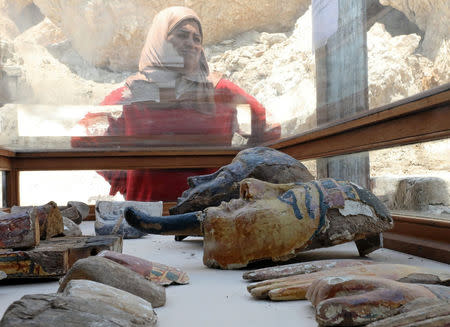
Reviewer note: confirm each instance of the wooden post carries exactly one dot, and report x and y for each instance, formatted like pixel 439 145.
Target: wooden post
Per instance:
pixel 12 188
pixel 342 85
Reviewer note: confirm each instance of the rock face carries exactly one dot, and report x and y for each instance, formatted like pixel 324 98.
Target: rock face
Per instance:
pixel 431 16
pixel 117 29
pixel 39 310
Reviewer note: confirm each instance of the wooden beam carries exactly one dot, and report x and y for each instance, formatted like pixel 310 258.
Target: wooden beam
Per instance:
pixel 12 188
pixel 5 163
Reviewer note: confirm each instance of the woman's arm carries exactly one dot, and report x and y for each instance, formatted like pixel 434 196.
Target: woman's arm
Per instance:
pixel 232 93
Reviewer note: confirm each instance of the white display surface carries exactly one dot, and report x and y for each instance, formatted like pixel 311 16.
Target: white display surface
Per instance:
pixel 216 297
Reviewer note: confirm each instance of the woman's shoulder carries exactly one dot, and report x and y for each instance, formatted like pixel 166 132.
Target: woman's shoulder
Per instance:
pixel 115 97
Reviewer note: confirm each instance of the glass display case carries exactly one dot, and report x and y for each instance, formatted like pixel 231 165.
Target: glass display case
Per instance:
pixel 355 88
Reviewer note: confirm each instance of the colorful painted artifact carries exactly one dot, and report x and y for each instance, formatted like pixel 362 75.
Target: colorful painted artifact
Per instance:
pixel 358 300
pixel 275 221
pixel 261 163
pixel 156 272
pixel 295 287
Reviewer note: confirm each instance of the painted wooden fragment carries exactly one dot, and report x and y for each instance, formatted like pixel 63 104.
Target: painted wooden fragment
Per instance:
pixel 73 214
pixel 132 304
pixel 156 272
pixel 109 219
pixel 295 287
pixel 261 163
pixel 49 217
pixel 43 310
pixel 275 221
pixel 301 268
pixel 54 257
pixel 430 313
pixel 111 273
pixel 358 300
pixel 71 228
pixel 18 231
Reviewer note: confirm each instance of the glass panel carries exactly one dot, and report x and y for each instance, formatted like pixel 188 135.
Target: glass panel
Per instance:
pixel 411 180
pixel 3 189
pixel 40 187
pixel 281 71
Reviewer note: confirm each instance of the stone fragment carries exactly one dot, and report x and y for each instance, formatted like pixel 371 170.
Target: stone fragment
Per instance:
pixel 132 304
pixel 43 310
pixel 2 275
pixel 18 231
pixel 108 272
pixel 357 300
pixel 70 228
pixel 295 287
pixel 156 272
pixel 109 219
pixel 261 163
pixel 301 268
pixel 276 221
pixel 72 214
pixel 49 217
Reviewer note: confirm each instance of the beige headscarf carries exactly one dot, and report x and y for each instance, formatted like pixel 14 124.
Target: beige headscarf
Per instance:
pixel 159 62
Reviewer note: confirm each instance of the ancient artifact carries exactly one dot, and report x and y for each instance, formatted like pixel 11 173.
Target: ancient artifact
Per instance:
pixel 276 221
pixel 49 217
pixel 156 272
pixel 301 268
pixel 419 312
pixel 71 228
pixel 261 163
pixel 18 231
pixel 358 300
pixel 109 219
pixel 132 304
pixel 295 287
pixel 53 258
pixel 108 272
pixel 43 310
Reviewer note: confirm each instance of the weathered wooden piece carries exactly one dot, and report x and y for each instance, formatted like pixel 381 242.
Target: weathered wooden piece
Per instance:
pixel 109 219
pixel 54 257
pixel 426 313
pixel 275 221
pixel 132 304
pixel 111 273
pixel 43 310
pixel 301 268
pixel 358 300
pixel 73 214
pixel 18 231
pixel 156 272
pixel 49 217
pixel 261 163
pixel 71 228
pixel 295 287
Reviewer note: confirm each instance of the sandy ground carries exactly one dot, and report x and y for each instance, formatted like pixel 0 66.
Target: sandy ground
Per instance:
pixel 217 297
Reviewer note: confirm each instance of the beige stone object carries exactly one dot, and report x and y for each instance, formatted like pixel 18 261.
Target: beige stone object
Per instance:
pixel 132 304
pixel 108 272
pixel 430 16
pixel 117 29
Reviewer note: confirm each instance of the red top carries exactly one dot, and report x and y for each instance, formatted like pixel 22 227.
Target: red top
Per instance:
pixel 136 120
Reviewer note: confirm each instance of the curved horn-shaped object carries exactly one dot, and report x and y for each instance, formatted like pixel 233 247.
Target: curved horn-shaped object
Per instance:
pixel 184 224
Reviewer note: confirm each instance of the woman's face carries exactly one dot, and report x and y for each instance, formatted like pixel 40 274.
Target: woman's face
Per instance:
pixel 187 41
